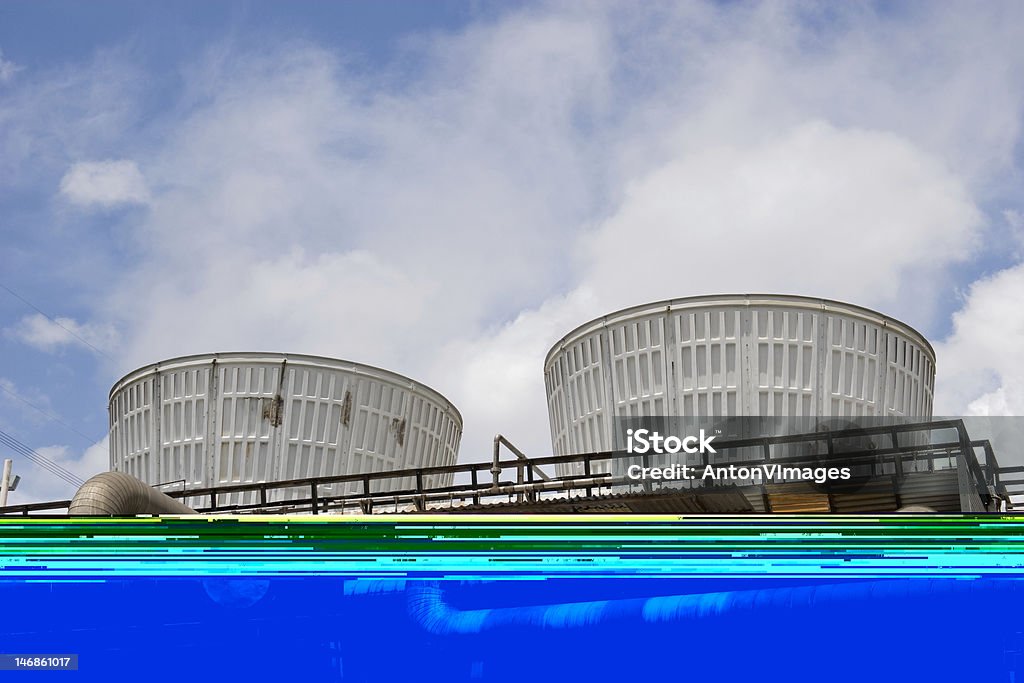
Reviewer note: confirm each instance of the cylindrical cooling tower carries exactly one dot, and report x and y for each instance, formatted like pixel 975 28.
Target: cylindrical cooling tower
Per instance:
pixel 230 418
pixel 733 356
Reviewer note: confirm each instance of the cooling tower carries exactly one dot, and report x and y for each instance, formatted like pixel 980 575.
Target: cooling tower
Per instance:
pixel 733 356
pixel 230 418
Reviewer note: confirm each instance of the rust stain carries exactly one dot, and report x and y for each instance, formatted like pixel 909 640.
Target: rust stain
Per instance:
pixel 346 409
pixel 273 410
pixel 398 426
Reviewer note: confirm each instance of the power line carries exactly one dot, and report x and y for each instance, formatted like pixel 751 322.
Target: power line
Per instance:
pixel 11 442
pixel 43 462
pixel 53 417
pixel 51 319
pixel 40 460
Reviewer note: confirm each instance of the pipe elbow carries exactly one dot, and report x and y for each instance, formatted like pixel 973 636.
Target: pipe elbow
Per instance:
pixel 120 494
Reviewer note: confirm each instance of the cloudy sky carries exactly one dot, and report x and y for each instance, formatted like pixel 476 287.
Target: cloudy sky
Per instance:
pixel 445 188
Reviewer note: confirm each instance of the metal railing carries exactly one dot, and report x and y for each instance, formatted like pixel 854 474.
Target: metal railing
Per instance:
pixel 1013 486
pixel 909 447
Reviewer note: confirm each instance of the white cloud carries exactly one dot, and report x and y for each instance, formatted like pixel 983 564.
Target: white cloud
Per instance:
pixel 104 183
pixel 30 405
pixel 38 484
pixel 68 113
pixel 7 69
pixel 553 165
pixel 1015 220
pixel 497 376
pixel 45 334
pixel 855 215
pixel 980 366
pixel 349 304
pixel 455 228
pixel 813 210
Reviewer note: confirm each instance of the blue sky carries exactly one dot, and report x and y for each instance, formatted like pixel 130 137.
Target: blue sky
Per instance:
pixel 445 188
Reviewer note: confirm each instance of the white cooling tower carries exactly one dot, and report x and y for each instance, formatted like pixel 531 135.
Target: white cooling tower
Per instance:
pixel 733 356
pixel 230 418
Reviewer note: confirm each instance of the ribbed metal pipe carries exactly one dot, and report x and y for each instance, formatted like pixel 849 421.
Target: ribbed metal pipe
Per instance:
pixel 119 494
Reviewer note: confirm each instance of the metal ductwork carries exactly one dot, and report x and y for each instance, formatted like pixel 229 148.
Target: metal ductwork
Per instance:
pixel 118 494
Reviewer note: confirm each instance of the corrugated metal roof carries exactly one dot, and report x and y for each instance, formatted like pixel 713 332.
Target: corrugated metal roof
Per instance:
pixel 720 499
pixel 938 490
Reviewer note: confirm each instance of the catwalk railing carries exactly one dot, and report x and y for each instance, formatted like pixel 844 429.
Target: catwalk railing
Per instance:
pixel 894 451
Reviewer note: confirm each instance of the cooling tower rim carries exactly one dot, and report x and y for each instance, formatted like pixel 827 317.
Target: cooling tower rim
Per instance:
pixel 306 360
pixel 747 300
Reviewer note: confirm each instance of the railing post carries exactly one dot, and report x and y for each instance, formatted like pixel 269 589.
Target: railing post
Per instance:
pixel 316 500
pixel 495 463
pixel 531 495
pixel 519 481
pixel 970 462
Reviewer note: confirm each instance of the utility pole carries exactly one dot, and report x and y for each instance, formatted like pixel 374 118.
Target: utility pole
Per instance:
pixel 5 482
